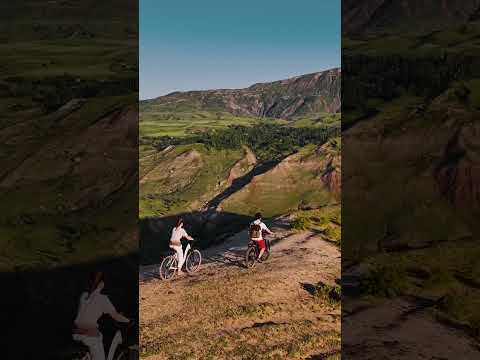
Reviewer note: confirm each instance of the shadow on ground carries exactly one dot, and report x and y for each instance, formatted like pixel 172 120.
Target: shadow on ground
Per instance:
pixel 206 227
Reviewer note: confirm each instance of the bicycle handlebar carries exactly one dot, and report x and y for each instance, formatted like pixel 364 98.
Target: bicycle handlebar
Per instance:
pixel 125 326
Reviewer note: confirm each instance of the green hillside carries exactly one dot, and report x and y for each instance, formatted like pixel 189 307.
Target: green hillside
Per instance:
pixel 178 180
pixel 62 194
pixel 180 173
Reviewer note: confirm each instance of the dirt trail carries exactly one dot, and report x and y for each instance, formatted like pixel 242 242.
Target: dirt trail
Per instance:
pixel 226 311
pixel 401 328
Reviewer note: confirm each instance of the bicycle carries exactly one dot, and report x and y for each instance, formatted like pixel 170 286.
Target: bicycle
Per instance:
pixel 169 266
pixel 119 349
pixel 251 255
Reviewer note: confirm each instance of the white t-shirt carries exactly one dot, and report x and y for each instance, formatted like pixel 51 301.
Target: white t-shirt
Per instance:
pixel 92 307
pixel 263 228
pixel 177 235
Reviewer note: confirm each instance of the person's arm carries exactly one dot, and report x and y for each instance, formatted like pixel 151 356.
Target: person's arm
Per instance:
pixel 119 317
pixel 267 229
pixel 186 235
pixel 110 310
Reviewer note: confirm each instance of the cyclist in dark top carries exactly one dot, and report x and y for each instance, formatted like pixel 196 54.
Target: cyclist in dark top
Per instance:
pixel 257 227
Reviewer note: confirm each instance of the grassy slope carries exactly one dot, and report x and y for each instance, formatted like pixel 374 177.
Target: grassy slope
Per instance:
pixel 184 187
pixel 326 220
pixel 33 236
pixel 234 313
pixel 414 211
pixel 462 39
pixel 180 123
pixel 294 183
pixel 168 120
pixel 277 192
pixel 34 232
pixel 316 120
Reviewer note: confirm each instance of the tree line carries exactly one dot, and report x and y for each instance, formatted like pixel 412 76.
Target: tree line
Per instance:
pixel 268 141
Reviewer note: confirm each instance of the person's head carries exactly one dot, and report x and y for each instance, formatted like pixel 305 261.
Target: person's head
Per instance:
pixel 96 280
pixel 258 216
pixel 179 223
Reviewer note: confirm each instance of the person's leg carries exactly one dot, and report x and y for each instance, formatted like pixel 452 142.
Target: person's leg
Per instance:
pixel 97 350
pixel 95 346
pixel 261 245
pixel 179 251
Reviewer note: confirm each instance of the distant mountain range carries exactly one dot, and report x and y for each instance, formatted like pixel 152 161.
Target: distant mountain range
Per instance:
pixel 368 16
pixel 311 93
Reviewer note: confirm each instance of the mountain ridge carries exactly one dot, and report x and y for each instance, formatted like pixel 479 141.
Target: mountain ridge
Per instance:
pixel 309 93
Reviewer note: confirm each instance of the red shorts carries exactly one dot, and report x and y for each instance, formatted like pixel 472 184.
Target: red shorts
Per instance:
pixel 261 244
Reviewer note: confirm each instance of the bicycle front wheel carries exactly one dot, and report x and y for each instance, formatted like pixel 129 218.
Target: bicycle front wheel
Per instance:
pixel 168 267
pixel 194 259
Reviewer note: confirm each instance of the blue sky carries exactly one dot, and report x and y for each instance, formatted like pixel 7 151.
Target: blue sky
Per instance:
pixel 211 44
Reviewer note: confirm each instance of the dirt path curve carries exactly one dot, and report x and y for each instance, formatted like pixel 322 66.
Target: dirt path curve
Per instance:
pixel 226 311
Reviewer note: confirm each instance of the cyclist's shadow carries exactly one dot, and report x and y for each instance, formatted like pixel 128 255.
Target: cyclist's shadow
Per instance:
pixel 231 257
pixel 148 273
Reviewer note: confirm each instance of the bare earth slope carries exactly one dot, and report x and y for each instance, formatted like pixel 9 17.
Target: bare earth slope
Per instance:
pixel 226 311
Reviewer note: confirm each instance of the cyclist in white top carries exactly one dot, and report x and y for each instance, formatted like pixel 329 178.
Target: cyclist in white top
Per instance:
pixel 93 304
pixel 178 233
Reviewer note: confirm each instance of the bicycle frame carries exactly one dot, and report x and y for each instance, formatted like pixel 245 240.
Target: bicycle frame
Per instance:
pixel 185 253
pixel 117 340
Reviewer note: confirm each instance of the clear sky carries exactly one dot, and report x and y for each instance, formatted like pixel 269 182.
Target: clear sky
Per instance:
pixel 212 44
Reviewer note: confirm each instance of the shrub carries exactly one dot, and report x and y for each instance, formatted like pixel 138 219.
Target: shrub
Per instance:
pixel 334 234
pixel 462 305
pixel 439 277
pixel 301 223
pixel 330 293
pixel 385 281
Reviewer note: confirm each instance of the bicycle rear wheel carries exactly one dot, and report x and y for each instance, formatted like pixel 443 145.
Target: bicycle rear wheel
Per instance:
pixel 194 259
pixel 168 268
pixel 250 257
